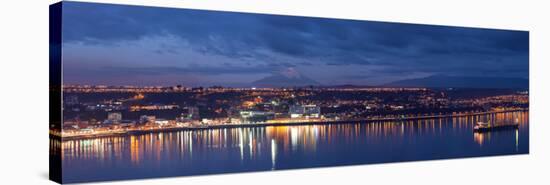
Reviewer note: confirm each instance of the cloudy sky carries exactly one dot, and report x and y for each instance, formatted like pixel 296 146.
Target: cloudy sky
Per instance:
pixel 132 45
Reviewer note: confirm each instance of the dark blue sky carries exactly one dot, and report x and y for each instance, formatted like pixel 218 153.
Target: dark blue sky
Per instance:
pixel 133 45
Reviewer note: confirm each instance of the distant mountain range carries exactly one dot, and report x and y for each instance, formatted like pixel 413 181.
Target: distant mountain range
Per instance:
pixel 290 77
pixel 286 78
pixel 444 81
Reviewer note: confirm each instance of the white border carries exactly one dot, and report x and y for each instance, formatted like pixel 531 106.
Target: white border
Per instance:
pixel 24 98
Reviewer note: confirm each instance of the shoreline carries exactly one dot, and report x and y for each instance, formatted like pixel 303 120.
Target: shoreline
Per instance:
pixel 362 121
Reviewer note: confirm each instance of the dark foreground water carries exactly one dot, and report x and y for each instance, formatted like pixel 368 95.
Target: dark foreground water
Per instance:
pixel 287 147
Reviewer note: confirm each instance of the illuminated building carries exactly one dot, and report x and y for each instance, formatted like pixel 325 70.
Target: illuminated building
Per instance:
pixel 256 116
pixel 114 117
pixel 194 113
pixel 153 107
pixel 143 119
pixel 304 111
pixel 190 114
pixel 161 122
pixel 147 120
pixel 258 99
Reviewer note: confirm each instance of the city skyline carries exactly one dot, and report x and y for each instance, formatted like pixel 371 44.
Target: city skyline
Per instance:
pixel 133 45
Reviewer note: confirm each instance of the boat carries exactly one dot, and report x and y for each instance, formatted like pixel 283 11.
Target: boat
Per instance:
pixel 487 127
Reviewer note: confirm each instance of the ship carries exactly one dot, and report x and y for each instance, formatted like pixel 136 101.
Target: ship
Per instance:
pixel 487 127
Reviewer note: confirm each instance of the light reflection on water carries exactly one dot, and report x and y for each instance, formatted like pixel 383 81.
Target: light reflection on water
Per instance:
pixel 285 147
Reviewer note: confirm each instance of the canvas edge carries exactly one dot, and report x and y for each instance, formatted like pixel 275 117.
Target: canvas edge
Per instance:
pixel 55 94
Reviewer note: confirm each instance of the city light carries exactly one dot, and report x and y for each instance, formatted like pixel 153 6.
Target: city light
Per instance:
pixel 143 109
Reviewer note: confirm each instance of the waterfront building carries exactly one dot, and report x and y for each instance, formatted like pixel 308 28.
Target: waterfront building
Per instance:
pixel 304 111
pixel 161 122
pixel 147 120
pixel 193 113
pixel 256 116
pixel 189 114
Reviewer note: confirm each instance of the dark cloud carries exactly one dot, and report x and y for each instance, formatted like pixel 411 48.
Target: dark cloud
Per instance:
pixel 265 41
pixel 360 76
pixel 169 70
